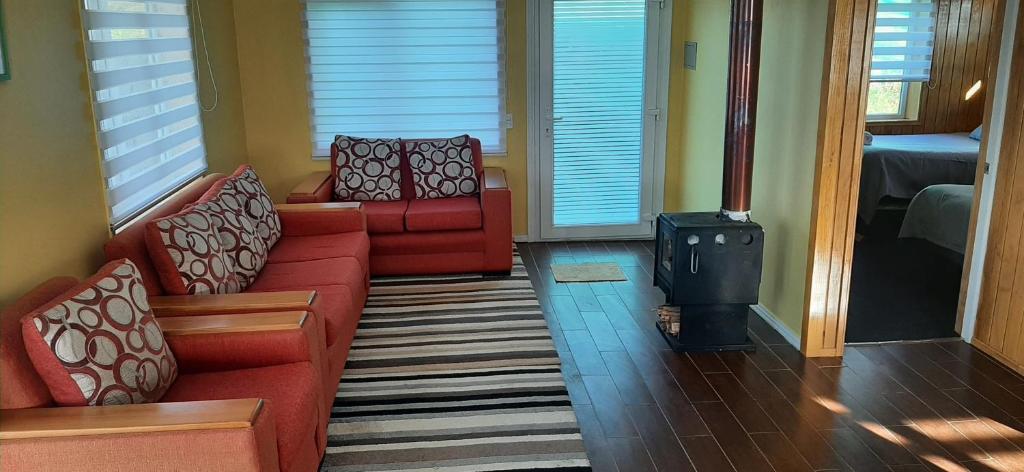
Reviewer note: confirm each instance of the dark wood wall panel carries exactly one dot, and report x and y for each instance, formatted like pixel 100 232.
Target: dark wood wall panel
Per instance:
pixel 963 37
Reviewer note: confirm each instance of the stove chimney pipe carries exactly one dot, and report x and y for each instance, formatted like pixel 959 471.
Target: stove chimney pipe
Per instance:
pixel 741 111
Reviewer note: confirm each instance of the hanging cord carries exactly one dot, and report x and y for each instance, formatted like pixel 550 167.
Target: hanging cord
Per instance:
pixel 197 13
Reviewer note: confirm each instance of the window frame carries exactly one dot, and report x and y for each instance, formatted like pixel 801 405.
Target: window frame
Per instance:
pixel 162 137
pixel 901 115
pixel 505 121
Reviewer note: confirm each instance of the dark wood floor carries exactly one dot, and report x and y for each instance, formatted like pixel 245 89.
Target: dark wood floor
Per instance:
pixel 896 407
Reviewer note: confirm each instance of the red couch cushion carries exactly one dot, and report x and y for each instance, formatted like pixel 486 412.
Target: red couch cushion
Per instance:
pixel 291 392
pixel 444 214
pixel 99 344
pixel 385 217
pixel 429 242
pixel 344 271
pixel 323 246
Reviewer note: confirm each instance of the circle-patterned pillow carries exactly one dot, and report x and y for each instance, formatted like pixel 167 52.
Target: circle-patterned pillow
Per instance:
pixel 246 250
pixel 257 204
pixel 367 169
pixel 187 252
pixel 103 336
pixel 442 168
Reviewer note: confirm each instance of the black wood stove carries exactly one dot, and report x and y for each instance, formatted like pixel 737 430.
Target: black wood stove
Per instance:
pixel 709 264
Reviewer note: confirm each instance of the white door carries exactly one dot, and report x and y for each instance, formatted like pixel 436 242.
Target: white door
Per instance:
pixel 603 66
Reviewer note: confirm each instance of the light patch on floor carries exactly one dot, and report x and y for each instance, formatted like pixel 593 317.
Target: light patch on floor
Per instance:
pixel 604 272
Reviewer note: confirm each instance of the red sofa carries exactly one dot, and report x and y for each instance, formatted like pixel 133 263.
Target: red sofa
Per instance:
pixel 446 235
pixel 320 265
pixel 260 408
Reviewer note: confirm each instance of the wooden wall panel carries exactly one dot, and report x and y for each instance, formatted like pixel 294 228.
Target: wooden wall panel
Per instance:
pixel 1000 324
pixel 840 144
pixel 964 30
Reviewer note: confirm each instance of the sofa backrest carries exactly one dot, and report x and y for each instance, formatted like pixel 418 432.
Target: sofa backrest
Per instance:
pixel 130 242
pixel 408 191
pixel 20 385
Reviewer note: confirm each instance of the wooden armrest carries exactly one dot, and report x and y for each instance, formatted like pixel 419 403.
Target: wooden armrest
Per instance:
pixel 234 323
pixel 494 178
pixel 232 303
pixel 120 419
pixel 309 185
pixel 319 207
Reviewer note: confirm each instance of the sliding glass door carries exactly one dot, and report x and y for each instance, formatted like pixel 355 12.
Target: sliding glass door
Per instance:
pixel 600 60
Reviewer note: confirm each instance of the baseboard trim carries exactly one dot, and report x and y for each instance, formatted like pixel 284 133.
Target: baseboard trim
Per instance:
pixel 522 238
pixel 792 338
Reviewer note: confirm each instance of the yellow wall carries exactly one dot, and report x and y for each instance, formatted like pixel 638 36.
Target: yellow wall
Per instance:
pixel 53 217
pixel 786 144
pixel 52 214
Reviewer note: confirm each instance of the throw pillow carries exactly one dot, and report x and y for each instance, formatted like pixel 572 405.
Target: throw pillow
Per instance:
pixel 976 134
pixel 99 344
pixel 258 205
pixel 442 168
pixel 244 248
pixel 367 169
pixel 188 255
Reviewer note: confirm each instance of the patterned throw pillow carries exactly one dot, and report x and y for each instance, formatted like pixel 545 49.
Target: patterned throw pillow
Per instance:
pixel 258 205
pixel 367 169
pixel 188 255
pixel 99 344
pixel 442 168
pixel 236 232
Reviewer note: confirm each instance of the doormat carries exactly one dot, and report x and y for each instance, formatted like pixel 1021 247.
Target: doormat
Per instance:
pixel 604 272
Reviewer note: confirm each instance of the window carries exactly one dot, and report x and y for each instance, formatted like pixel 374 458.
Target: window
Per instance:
pixel 901 57
pixel 144 93
pixel 406 68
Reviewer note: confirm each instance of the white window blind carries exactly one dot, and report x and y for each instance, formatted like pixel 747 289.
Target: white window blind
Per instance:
pixel 144 92
pixel 598 92
pixel 406 69
pixel 904 39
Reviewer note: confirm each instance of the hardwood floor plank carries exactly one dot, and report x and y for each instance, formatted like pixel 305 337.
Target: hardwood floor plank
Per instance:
pixel 617 312
pixel 688 377
pixel 585 353
pixel 627 379
pixel 609 407
pixel 749 375
pixel 567 313
pixel 743 406
pixel 574 381
pixel 708 362
pixel 584 297
pixel 783 456
pixel 602 331
pixel 598 452
pixel 631 455
pixel 662 444
pixel 812 445
pixel 735 442
pixel 706 455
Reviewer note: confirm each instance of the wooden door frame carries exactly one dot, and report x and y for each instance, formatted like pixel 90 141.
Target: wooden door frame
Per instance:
pixel 841 124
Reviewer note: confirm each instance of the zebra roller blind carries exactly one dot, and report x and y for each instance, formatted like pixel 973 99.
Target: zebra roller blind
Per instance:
pixel 598 110
pixel 406 68
pixel 904 40
pixel 144 93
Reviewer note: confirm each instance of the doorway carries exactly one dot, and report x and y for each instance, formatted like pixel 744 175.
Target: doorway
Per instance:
pixel 600 79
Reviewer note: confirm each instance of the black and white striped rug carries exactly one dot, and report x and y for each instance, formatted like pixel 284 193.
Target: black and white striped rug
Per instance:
pixel 453 373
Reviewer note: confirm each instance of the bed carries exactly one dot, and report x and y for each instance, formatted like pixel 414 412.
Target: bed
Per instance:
pixel 902 166
pixel 940 214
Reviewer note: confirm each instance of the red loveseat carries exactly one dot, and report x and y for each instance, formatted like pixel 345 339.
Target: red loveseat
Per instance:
pixel 260 410
pixel 435 236
pixel 320 264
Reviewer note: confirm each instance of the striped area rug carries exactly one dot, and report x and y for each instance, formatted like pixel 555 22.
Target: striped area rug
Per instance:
pixel 453 373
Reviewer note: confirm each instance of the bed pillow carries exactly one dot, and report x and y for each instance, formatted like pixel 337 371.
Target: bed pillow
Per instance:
pixel 246 251
pixel 258 205
pixel 367 169
pixel 868 138
pixel 442 168
pixel 976 134
pixel 188 255
pixel 99 344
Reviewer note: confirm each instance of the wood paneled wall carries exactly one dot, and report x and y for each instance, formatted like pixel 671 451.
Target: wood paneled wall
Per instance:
pixel 840 148
pixel 961 58
pixel 1000 325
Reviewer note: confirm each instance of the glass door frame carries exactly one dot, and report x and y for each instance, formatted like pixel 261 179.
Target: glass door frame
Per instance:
pixel 541 146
